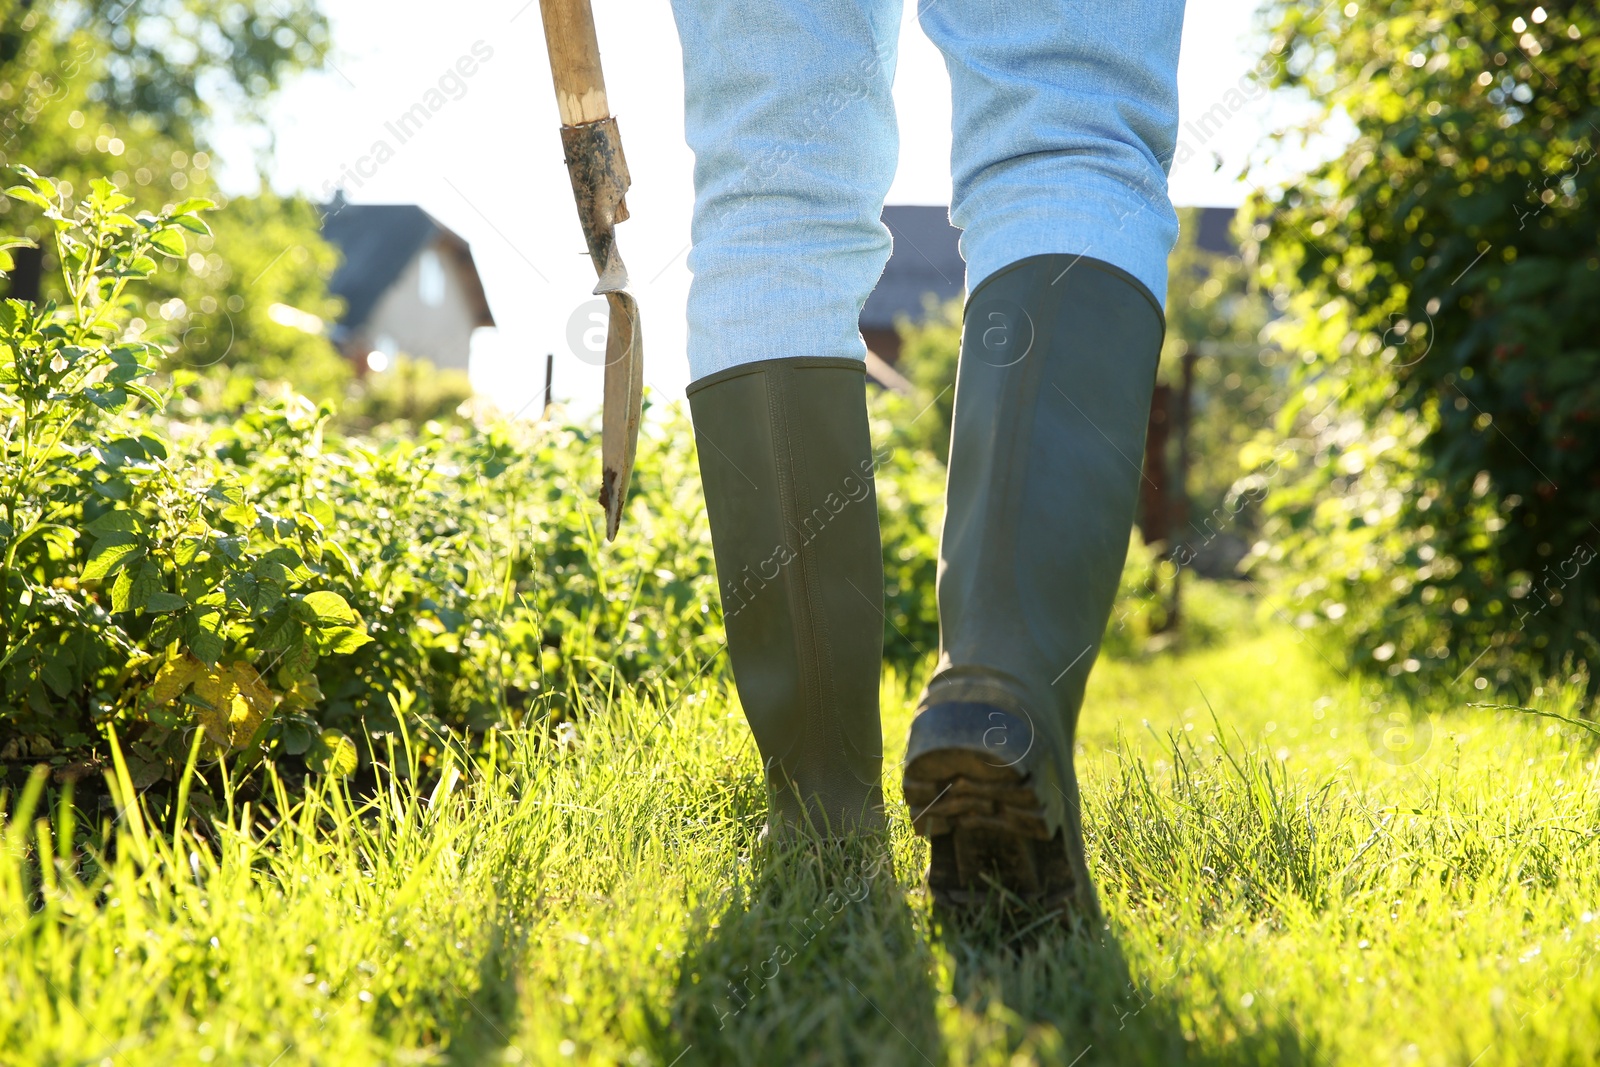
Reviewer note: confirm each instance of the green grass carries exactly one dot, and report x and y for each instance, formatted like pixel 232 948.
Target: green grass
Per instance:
pixel 1275 893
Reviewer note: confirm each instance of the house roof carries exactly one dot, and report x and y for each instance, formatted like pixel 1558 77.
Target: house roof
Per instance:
pixel 926 259
pixel 378 242
pixel 1213 233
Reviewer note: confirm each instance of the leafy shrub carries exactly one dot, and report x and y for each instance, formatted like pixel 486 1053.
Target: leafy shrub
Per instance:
pixel 275 585
pixel 214 583
pixel 411 389
pixel 1442 284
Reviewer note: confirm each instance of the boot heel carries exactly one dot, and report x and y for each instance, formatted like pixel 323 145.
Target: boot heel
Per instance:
pixel 971 790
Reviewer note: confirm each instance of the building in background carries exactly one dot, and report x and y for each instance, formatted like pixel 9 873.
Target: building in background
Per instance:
pixel 409 286
pixel 925 267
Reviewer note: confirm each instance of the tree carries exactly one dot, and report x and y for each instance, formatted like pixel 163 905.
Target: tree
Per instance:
pixel 127 90
pixel 1442 281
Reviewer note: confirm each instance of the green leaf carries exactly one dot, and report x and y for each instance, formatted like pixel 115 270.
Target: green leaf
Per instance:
pixel 282 565
pixel 169 243
pixel 242 514
pixel 233 547
pixel 298 659
pixel 303 694
pixel 223 495
pixel 113 399
pixel 280 627
pixel 192 223
pixel 336 550
pixel 147 582
pixel 136 267
pixel 119 520
pixel 330 609
pixel 6 244
pixel 296 738
pixel 191 205
pixel 257 595
pixel 207 646
pixel 110 197
pixel 341 640
pixel 57 669
pixel 109 558
pixel 125 367
pixel 121 589
pixel 44 185
pixel 28 196
pixel 333 753
pixel 187 550
pixel 164 601
pixel 164 630
pixel 147 394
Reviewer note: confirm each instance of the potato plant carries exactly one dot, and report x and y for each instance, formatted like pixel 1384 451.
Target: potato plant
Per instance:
pixel 139 585
pixel 225 587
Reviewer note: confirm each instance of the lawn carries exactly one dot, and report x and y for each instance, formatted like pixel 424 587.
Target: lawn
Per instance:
pixel 1276 891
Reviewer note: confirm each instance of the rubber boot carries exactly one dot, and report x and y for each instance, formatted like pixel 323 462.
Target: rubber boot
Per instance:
pixel 786 461
pixel 1058 361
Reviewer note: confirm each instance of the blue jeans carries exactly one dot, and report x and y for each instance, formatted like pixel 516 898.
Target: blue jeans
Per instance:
pixel 1065 121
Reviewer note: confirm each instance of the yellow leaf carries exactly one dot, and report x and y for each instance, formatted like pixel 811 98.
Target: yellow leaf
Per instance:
pixel 333 753
pixel 239 702
pixel 173 678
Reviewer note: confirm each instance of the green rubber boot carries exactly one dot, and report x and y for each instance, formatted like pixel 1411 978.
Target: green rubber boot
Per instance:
pixel 1058 360
pixel 786 461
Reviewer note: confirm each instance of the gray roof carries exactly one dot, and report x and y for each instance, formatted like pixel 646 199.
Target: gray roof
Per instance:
pixel 926 259
pixel 1214 231
pixel 377 242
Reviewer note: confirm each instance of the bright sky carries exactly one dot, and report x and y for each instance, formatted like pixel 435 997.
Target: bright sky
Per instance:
pixel 488 163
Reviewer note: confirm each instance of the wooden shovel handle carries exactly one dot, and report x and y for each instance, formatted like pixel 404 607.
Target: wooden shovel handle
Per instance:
pixel 574 60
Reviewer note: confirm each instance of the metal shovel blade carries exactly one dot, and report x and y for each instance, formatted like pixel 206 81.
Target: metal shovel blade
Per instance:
pixel 624 398
pixel 599 173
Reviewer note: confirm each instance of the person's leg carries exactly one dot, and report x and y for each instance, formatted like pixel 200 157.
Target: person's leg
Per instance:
pixel 1064 119
pixel 787 108
pixel 789 114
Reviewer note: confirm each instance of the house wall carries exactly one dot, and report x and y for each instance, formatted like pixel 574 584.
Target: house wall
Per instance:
pixel 442 333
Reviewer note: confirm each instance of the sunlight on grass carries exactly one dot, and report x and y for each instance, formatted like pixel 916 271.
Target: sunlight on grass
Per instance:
pixel 1277 891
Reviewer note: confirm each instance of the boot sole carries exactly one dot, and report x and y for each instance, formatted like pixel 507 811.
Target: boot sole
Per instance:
pixel 981 814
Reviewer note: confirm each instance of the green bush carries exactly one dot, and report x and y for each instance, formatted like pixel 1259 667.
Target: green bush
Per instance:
pixel 279 587
pixel 245 581
pixel 411 389
pixel 1441 280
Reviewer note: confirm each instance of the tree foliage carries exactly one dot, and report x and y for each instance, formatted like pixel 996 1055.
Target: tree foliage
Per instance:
pixel 129 91
pixel 1441 283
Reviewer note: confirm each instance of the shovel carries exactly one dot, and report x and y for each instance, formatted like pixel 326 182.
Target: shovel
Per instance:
pixel 599 182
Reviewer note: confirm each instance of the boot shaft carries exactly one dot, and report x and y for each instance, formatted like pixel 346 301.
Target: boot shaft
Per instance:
pixel 786 462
